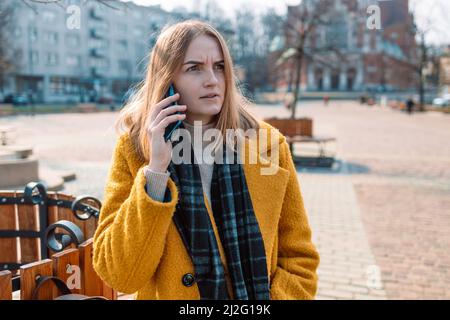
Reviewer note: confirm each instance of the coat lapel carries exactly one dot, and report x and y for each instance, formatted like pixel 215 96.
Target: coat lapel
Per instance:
pixel 267 194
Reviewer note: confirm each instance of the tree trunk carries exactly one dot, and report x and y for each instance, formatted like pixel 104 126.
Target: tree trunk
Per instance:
pixel 423 58
pixel 298 72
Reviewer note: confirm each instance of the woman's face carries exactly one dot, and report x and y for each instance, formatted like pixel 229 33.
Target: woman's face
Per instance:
pixel 201 74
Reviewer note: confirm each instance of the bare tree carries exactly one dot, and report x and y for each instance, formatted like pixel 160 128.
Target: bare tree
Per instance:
pixel 246 50
pixel 423 57
pixel 109 3
pixel 6 59
pixel 301 29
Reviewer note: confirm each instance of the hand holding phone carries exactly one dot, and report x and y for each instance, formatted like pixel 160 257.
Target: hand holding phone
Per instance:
pixel 164 114
pixel 174 125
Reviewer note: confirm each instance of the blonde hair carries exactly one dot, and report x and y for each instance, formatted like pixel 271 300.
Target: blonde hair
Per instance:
pixel 166 57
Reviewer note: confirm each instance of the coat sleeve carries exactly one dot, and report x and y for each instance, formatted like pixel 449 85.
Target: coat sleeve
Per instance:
pixel 130 238
pixel 295 275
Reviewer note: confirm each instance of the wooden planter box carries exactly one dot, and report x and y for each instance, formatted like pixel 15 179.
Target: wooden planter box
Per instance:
pixel 293 127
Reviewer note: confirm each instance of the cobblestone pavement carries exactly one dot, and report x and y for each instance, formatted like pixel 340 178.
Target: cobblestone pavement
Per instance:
pixel 387 199
pixel 348 269
pixel 379 217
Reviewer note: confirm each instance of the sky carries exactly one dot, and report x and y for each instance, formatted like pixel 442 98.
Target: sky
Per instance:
pixel 430 14
pixel 229 8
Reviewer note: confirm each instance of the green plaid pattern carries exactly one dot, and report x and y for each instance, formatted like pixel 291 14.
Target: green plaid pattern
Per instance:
pixel 237 226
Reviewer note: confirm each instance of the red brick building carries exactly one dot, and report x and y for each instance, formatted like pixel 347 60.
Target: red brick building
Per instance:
pixel 346 55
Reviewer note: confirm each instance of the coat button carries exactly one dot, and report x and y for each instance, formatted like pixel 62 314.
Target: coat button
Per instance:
pixel 188 279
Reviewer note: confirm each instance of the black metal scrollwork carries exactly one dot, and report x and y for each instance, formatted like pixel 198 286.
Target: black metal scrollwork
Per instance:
pixel 35 193
pixel 59 241
pixel 84 207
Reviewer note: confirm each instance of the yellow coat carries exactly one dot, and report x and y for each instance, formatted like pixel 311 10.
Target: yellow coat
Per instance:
pixel 137 247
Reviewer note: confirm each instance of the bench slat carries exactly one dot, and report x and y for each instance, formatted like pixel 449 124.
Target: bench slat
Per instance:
pixel 92 285
pixel 61 261
pixel 28 216
pixel 28 274
pixel 5 285
pixel 8 221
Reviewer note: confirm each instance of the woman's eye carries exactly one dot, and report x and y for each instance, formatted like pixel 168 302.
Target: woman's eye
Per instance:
pixel 192 68
pixel 220 66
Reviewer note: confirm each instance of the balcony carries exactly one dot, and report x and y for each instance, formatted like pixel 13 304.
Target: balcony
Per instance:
pixel 97 14
pixel 99 72
pixel 98 52
pixel 98 33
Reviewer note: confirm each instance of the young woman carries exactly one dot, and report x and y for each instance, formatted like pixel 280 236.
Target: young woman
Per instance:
pixel 200 230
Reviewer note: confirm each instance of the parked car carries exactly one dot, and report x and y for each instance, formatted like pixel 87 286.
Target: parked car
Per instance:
pixel 443 101
pixel 106 99
pixel 17 100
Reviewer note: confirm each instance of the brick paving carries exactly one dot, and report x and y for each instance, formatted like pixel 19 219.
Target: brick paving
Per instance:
pixel 398 170
pixel 380 218
pixel 348 269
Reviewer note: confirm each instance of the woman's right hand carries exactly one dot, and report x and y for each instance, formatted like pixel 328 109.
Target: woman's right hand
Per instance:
pixel 160 118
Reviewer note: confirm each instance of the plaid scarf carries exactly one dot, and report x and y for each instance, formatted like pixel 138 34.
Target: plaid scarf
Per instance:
pixel 237 227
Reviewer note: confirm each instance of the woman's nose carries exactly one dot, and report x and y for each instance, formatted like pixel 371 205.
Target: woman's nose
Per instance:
pixel 211 78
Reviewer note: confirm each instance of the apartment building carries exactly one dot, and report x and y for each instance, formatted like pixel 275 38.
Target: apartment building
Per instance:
pixel 80 50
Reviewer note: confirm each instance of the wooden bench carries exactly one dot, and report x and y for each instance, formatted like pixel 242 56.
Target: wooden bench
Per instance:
pixel 300 131
pixel 43 233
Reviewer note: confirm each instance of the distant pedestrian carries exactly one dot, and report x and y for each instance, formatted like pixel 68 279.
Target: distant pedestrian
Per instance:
pixel 410 105
pixel 326 99
pixel 362 99
pixel 31 101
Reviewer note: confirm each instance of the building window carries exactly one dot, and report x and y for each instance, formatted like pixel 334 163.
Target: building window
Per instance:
pixel 18 54
pixel 31 14
pixel 61 85
pixel 371 69
pixel 125 66
pixel 17 32
pixel 51 37
pixel 73 40
pixel 103 25
pixel 34 57
pixel 122 45
pixel 33 34
pixel 98 43
pixel 99 63
pixel 122 27
pixel 137 32
pixel 52 59
pixel 336 34
pixel 48 16
pixel 140 50
pixel 56 85
pixel 73 61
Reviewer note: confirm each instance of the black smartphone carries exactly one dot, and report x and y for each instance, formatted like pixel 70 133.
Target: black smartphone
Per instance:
pixel 174 125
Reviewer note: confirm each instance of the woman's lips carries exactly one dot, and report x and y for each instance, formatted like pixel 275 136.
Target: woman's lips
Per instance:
pixel 212 98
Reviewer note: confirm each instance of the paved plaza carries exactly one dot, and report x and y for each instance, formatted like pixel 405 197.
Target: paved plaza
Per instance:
pixel 380 217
